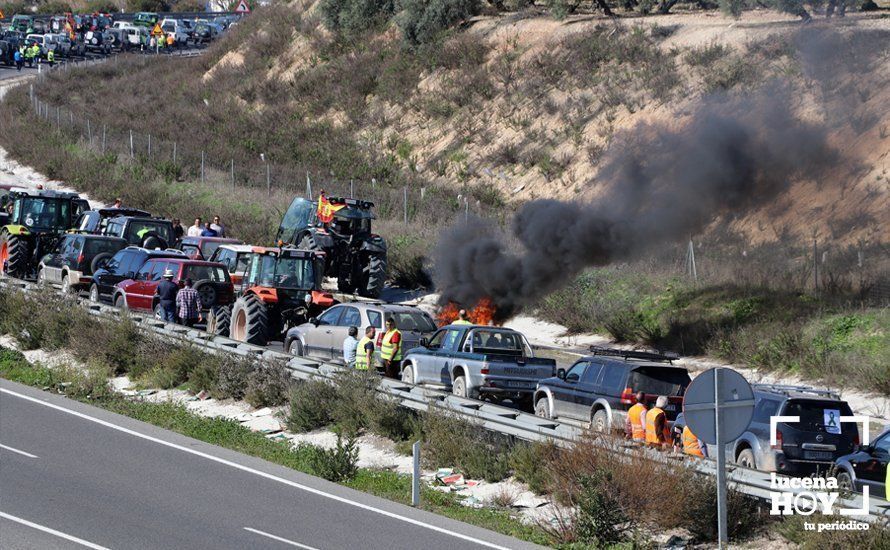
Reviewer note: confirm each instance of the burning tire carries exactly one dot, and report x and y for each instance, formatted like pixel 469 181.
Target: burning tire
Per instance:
pixel 375 276
pixel 13 256
pixel 250 321
pixel 219 320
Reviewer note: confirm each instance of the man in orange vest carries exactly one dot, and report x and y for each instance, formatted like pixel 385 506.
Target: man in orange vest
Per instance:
pixel 635 426
pixel 657 432
pixel 692 445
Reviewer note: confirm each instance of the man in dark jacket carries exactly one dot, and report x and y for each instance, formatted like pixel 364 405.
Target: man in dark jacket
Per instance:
pixel 166 293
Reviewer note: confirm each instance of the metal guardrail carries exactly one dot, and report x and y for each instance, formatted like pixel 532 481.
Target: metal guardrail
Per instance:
pixel 496 418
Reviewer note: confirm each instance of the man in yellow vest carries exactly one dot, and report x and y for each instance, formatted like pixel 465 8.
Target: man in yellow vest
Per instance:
pixel 635 427
pixel 463 318
pixel 364 353
pixel 657 432
pixel 391 349
pixel 692 445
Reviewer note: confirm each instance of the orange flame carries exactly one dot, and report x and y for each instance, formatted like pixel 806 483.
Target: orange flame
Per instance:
pixel 482 314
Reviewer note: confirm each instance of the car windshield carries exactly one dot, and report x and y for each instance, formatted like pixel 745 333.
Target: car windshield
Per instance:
pixel 138 229
pixel 41 213
pixel 95 247
pixel 670 381
pixel 207 273
pixel 497 341
pixel 818 414
pixel 169 27
pixel 286 272
pixel 412 321
pixel 298 215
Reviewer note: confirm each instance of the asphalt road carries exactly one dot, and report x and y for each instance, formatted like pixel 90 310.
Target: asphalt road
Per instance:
pixel 74 476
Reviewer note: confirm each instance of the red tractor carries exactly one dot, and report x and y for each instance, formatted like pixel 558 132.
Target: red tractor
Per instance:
pixel 281 289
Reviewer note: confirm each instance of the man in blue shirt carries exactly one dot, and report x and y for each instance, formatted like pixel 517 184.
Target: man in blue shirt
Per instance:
pixel 349 347
pixel 166 293
pixel 208 231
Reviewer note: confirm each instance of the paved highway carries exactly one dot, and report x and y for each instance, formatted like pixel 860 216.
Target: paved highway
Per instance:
pixel 74 476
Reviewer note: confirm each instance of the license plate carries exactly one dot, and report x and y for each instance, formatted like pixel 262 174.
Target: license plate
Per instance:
pixel 670 407
pixel 817 455
pixel 517 384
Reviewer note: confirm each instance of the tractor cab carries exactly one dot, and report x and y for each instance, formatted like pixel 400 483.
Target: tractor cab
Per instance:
pixel 284 269
pixel 31 224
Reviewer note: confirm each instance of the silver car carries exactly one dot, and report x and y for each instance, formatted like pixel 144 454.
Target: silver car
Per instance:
pixel 323 337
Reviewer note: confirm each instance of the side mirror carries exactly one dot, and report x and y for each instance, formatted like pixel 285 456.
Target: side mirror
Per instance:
pixel 314 320
pixel 572 378
pixel 425 342
pixel 561 374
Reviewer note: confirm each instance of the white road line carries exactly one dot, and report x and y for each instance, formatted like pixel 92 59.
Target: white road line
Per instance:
pixel 248 469
pixel 23 453
pixel 279 539
pixel 59 534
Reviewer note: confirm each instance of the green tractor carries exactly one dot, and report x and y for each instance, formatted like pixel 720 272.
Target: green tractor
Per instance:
pixel 31 223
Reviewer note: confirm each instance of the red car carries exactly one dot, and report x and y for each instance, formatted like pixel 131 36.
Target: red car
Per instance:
pixel 210 279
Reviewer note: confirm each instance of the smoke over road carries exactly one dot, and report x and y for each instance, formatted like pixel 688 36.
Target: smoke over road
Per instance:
pixel 663 183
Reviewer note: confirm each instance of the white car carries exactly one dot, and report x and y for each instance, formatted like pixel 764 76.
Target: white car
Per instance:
pixel 176 29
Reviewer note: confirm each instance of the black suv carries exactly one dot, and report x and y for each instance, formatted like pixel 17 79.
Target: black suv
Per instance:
pixel 805 447
pixel 142 231
pixel 75 258
pixel 600 388
pixel 124 265
pixel 94 221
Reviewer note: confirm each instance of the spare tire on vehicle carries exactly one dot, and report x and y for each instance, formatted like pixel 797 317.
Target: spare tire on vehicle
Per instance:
pixel 207 292
pixel 152 240
pixel 96 264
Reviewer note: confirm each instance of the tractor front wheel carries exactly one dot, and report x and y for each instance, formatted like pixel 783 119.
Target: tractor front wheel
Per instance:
pixel 374 274
pixel 13 255
pixel 250 321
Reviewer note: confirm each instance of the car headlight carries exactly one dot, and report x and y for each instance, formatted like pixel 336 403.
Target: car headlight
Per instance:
pixel 308 299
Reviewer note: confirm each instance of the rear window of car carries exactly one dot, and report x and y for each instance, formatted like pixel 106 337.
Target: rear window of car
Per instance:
pixel 817 414
pixel 99 246
pixel 206 273
pixel 209 247
pixel 659 380
pixel 411 321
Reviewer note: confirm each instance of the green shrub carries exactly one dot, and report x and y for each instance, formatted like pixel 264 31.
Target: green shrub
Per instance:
pixel 309 405
pixel 337 464
pixel 453 442
pixel 268 386
pixel 599 517
pixel 352 17
pixel 705 56
pixel 423 21
pixel 231 379
pixel 528 462
pixel 203 378
pixel 744 512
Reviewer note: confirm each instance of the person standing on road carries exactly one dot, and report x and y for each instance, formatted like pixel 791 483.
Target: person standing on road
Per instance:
pixel 19 59
pixel 391 349
pixel 195 230
pixel 188 305
pixel 208 231
pixel 166 293
pixel 364 355
pixel 178 230
pixel 51 58
pixel 218 227
pixel 657 433
pixel 635 426
pixel 692 445
pixel 462 318
pixel 349 347
pixel 170 41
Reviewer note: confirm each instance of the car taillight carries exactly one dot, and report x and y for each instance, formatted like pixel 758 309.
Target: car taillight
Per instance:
pixel 856 439
pixel 483 371
pixel 79 259
pixel 379 339
pixel 778 444
pixel 627 396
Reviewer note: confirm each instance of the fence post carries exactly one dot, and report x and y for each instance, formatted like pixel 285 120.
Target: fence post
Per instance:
pixel 174 152
pixel 415 475
pixel 131 143
pixel 405 202
pixel 58 117
pixel 202 166
pixel 149 145
pixel 89 133
pixel 466 209
pixel 233 173
pixel 422 193
pixel 352 188
pixel 815 265
pixel 308 187
pixel 268 179
pixel 103 139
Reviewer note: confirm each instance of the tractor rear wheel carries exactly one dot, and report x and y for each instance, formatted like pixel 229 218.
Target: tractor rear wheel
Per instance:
pixel 13 255
pixel 250 321
pixel 374 275
pixel 219 320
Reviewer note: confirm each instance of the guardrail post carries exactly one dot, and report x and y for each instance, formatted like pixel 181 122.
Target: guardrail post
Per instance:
pixel 415 475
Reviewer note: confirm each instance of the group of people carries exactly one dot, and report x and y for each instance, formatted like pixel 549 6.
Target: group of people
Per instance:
pixel 182 305
pixel 650 427
pixel 27 54
pixel 200 228
pixel 360 354
pixel 163 41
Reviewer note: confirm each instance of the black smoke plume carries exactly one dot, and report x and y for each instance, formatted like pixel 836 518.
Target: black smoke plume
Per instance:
pixel 663 183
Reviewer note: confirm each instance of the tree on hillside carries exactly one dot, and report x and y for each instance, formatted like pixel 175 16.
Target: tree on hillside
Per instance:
pixel 422 21
pixel 103 6
pixel 53 7
pixel 148 5
pixel 352 17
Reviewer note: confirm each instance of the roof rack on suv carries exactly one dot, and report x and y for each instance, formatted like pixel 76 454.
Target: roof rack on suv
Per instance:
pixel 788 389
pixel 631 354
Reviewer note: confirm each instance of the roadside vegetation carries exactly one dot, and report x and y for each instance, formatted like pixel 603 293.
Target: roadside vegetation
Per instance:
pixel 601 501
